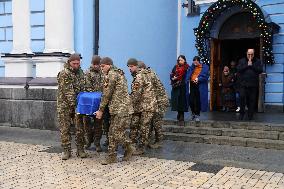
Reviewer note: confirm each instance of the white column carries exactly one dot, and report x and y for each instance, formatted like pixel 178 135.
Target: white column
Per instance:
pixel 20 66
pixel 21 26
pixel 59 37
pixel 179 27
pixel 59 23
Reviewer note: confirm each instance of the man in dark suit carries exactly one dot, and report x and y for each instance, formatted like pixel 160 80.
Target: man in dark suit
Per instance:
pixel 249 69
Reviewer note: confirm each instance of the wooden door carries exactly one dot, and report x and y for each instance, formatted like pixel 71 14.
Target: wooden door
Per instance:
pixel 215 75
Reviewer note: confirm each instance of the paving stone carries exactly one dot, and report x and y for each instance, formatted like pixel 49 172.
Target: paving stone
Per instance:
pixel 30 166
pixel 281 136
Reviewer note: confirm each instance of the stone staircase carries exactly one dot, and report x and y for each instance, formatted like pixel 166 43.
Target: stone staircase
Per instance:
pixel 248 134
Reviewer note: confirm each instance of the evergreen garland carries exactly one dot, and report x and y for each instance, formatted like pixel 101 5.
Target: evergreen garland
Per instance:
pixel 202 33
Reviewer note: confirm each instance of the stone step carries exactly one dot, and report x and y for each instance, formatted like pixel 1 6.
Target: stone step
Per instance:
pixel 244 133
pixel 226 140
pixel 231 125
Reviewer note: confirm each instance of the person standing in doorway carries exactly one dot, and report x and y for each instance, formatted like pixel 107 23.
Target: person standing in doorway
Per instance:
pixel 227 92
pixel 234 72
pixel 248 69
pixel 198 75
pixel 179 94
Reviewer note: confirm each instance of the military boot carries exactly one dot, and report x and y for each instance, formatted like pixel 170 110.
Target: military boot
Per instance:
pixel 109 160
pixel 128 152
pixel 66 154
pixel 81 153
pixel 88 144
pixel 139 151
pixel 158 144
pixel 98 147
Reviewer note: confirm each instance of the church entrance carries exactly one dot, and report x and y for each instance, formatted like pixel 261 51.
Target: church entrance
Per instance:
pixel 223 53
pixel 225 32
pixel 237 34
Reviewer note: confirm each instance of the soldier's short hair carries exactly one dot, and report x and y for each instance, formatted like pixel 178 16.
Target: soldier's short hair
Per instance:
pixel 141 64
pixel 96 59
pixel 132 62
pixel 74 56
pixel 107 61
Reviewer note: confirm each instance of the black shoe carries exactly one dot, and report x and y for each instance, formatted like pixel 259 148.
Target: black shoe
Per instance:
pixel 241 117
pixel 106 143
pixel 181 117
pixel 250 117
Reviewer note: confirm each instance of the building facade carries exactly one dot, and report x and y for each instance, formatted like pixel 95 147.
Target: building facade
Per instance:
pixel 36 37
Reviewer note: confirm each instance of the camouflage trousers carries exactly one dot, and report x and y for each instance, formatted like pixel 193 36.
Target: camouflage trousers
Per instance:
pixel 93 129
pixel 65 120
pixel 106 122
pixel 156 126
pixel 117 133
pixel 140 125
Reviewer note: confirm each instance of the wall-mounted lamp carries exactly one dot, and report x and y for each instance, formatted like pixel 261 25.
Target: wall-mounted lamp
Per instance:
pixel 191 8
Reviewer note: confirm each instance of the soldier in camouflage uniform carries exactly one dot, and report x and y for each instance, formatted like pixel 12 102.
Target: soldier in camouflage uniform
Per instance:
pixel 145 104
pixel 116 97
pixel 70 83
pixel 93 83
pixel 163 104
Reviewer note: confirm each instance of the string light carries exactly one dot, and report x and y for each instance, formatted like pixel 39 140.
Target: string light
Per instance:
pixel 211 14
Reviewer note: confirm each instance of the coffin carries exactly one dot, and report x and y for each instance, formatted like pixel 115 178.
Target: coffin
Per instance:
pixel 88 102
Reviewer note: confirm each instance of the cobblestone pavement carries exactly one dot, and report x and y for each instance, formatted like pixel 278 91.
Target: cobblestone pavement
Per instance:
pixel 33 166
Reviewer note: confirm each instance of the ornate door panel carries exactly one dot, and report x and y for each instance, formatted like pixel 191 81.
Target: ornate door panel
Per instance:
pixel 215 72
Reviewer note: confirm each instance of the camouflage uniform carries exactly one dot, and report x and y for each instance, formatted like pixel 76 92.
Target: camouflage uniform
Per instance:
pixel 106 124
pixel 70 83
pixel 116 97
pixel 93 83
pixel 145 104
pixel 163 104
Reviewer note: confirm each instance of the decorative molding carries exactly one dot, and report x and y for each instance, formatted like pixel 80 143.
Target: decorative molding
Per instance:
pixel 21 26
pixel 209 19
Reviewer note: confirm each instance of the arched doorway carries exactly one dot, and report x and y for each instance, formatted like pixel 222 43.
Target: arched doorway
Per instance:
pixel 225 31
pixel 238 33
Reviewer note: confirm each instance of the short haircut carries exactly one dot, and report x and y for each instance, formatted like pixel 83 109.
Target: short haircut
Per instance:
pixel 196 58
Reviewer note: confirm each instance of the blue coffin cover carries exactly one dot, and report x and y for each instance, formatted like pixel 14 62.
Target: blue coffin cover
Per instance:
pixel 88 102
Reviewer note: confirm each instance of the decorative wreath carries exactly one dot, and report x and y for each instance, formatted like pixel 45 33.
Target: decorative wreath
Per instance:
pixel 202 33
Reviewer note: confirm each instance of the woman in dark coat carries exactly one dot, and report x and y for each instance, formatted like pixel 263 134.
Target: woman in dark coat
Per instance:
pixel 179 94
pixel 227 92
pixel 198 99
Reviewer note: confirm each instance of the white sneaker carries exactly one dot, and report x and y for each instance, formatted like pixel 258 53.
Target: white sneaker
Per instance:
pixel 192 117
pixel 197 119
pixel 238 109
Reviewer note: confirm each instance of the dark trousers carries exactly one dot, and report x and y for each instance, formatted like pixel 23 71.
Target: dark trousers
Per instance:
pixel 194 99
pixel 248 97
